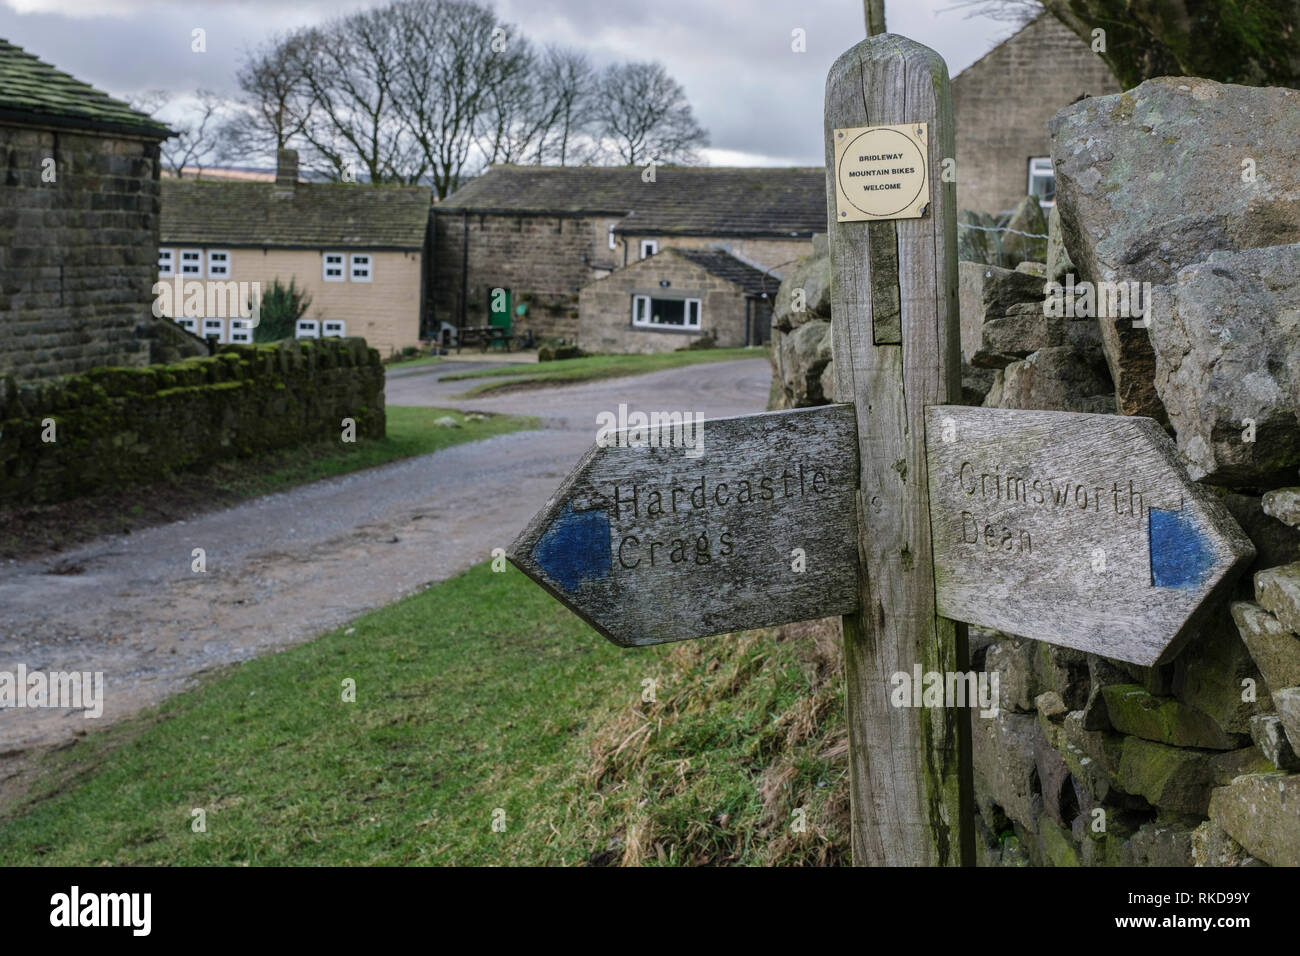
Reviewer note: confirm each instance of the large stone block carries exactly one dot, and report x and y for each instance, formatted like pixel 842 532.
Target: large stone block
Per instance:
pixel 1262 812
pixel 1284 505
pixel 1278 591
pixel 1178 779
pixel 1164 720
pixel 1025 238
pixel 1154 179
pixel 1053 379
pixel 1287 701
pixel 1005 768
pixel 805 352
pixel 1226 333
pixel 1215 674
pixel 1274 648
pixel 1269 735
pixel 1212 846
pixel 804 294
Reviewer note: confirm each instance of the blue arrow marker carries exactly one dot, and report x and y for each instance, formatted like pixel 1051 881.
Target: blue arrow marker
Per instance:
pixel 1181 556
pixel 575 547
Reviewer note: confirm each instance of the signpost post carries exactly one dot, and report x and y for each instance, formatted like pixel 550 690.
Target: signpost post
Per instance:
pixel 903 513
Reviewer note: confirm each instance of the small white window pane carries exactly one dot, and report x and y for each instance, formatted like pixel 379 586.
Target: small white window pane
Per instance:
pixel 307 329
pixel 332 271
pixel 360 268
pixel 166 262
pixel 218 264
pixel 191 262
pixel 334 327
pixel 1042 180
pixel 215 328
pixel 612 243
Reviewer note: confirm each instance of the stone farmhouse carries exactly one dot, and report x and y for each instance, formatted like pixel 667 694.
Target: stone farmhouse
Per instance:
pixel 1001 105
pixel 78 223
pixel 359 251
pixel 675 297
pixel 543 233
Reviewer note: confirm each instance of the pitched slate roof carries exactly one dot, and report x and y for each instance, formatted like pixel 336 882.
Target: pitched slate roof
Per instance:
pixel 32 91
pixel 683 200
pixel 308 216
pixel 726 266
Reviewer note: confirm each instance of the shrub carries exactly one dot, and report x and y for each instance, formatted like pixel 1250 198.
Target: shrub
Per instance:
pixel 282 307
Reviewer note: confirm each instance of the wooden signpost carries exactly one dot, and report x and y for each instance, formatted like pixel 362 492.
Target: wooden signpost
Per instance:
pixel 898 510
pixel 648 545
pixel 1081 530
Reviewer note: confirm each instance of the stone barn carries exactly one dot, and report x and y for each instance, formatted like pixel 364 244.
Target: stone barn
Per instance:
pixel 1001 105
pixel 78 223
pixel 675 298
pixel 541 233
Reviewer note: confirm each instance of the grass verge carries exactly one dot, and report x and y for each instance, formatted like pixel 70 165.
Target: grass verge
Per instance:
pixel 478 695
pixel 34 530
pixel 590 368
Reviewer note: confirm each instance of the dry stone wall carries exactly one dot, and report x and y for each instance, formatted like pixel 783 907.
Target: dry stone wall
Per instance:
pixel 113 427
pixel 1092 761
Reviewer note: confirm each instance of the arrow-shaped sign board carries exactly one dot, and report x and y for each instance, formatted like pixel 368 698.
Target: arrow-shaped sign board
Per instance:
pixel 651 541
pixel 1081 530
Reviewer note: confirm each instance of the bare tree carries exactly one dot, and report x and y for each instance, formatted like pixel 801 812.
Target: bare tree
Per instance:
pixel 276 102
pixel 1018 12
pixel 198 141
pixel 642 113
pixel 568 81
pixel 349 68
pixel 517 115
pixel 447 59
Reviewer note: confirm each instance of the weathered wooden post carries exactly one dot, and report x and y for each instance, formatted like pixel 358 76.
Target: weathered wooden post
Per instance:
pixel 1089 532
pixel 896 349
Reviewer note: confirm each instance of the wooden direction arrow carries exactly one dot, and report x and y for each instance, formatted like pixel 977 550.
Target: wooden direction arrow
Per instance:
pixel 650 545
pixel 1081 530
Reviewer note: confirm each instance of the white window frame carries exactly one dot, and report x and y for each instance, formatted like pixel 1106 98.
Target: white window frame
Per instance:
pixel 306 329
pixel 220 329
pixel 641 315
pixel 651 244
pixel 219 270
pixel 1038 165
pixel 342 266
pixel 341 331
pixel 241 332
pixel 168 270
pixel 197 264
pixel 613 240
pixel 369 266
pixel 187 323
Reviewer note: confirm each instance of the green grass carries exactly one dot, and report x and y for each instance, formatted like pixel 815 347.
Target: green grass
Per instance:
pixel 592 367
pixel 478 694
pixel 411 431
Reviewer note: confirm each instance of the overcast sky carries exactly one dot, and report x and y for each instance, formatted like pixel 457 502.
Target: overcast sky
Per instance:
pixel 760 101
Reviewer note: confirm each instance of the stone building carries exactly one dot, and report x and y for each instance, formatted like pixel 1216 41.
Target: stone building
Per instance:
pixel 674 298
pixel 357 250
pixel 78 222
pixel 542 233
pixel 1001 105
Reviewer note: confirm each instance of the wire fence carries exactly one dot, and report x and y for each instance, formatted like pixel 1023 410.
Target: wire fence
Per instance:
pixel 1031 235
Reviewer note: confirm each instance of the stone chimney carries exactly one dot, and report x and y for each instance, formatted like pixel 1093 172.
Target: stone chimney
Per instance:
pixel 286 167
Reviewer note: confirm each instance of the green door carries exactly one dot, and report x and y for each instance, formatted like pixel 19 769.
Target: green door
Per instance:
pixel 499 308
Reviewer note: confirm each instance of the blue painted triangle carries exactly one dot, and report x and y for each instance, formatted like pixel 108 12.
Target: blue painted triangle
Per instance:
pixel 1181 556
pixel 574 547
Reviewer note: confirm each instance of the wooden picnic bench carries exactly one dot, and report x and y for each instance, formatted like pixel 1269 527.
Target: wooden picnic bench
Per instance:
pixel 485 337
